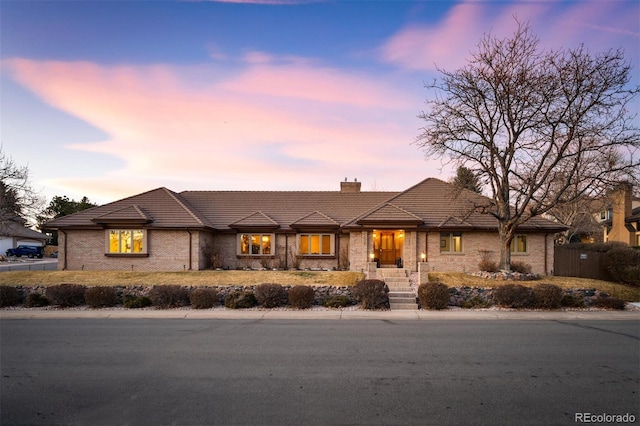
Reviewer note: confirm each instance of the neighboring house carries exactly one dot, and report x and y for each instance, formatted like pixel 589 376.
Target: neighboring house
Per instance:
pixel 624 225
pixel 431 224
pixel 14 233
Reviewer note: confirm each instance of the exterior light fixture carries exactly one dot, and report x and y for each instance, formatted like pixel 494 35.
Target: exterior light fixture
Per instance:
pixel 371 256
pixel 423 256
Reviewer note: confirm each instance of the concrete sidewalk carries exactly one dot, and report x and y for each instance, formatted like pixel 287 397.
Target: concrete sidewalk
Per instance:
pixel 399 315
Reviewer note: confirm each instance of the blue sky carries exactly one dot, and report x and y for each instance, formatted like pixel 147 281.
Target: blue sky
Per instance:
pixel 111 98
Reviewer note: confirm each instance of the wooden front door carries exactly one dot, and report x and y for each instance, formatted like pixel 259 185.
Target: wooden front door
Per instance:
pixel 387 248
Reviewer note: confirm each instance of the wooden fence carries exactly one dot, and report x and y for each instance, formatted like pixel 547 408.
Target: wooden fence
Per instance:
pixel 573 262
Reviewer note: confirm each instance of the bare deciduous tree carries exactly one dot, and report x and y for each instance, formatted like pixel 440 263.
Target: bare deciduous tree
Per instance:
pixel 533 124
pixel 17 196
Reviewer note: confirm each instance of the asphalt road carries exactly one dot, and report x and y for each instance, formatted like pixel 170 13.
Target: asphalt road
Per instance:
pixel 279 372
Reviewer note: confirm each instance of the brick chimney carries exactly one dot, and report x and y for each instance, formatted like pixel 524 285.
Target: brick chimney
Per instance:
pixel 350 187
pixel 622 205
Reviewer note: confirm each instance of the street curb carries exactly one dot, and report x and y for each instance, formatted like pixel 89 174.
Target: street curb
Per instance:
pixel 403 315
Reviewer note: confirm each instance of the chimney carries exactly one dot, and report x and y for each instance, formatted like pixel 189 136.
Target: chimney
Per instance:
pixel 350 187
pixel 622 199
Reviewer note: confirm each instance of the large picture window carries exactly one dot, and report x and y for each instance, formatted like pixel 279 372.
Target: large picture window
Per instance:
pixel 519 244
pixel 126 241
pixel 451 242
pixel 316 244
pixel 255 244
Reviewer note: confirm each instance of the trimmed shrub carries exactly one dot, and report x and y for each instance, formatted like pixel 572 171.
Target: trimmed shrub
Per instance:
pixel 203 298
pixel 547 296
pixel 572 301
pixel 35 300
pixel 372 294
pixel 240 300
pixel 611 303
pixel 270 295
pixel 99 297
pixel 488 266
pixel 169 296
pixel 623 263
pixel 433 295
pixel 131 301
pixel 336 302
pixel 301 297
pixel 9 296
pixel 513 296
pixel 521 267
pixel 66 295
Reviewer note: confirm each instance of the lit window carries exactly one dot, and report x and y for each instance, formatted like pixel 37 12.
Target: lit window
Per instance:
pixel 451 242
pixel 126 241
pixel 519 244
pixel 316 244
pixel 255 244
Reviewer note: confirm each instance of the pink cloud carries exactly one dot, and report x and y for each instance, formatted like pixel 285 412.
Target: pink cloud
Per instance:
pixel 196 128
pixel 449 43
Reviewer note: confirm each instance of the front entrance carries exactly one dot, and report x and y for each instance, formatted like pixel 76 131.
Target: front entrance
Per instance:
pixel 387 246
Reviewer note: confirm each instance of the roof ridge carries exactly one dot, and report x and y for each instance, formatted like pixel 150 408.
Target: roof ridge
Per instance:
pixel 182 204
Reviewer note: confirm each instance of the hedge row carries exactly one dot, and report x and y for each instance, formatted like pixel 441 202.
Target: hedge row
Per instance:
pixel 435 295
pixel 173 296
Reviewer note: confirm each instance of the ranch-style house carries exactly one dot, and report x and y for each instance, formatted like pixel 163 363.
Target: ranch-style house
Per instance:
pixel 431 226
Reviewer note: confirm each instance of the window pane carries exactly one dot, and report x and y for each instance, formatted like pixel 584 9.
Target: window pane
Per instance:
pixel 114 241
pixel 244 244
pixel 125 241
pixel 445 242
pixel 522 243
pixel 315 244
pixel 255 244
pixel 304 244
pixel 137 241
pixel 326 244
pixel 457 242
pixel 266 244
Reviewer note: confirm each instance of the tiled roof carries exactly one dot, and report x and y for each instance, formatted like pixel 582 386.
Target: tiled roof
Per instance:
pixel 163 207
pixel 255 220
pixel 439 205
pixel 223 208
pixel 315 219
pixel 389 213
pixel 128 214
pixel 432 204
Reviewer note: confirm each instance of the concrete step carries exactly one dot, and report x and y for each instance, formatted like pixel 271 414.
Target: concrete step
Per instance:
pixel 401 300
pixel 401 290
pixel 387 273
pixel 403 306
pixel 402 294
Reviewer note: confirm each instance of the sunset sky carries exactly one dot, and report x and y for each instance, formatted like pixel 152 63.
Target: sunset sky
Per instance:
pixel 111 98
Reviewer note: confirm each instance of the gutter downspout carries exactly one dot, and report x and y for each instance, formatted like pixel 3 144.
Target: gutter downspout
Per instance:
pixel 286 251
pixel 64 265
pixel 190 248
pixel 546 264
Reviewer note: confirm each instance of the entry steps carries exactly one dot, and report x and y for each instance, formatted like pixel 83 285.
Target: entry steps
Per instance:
pixel 401 296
